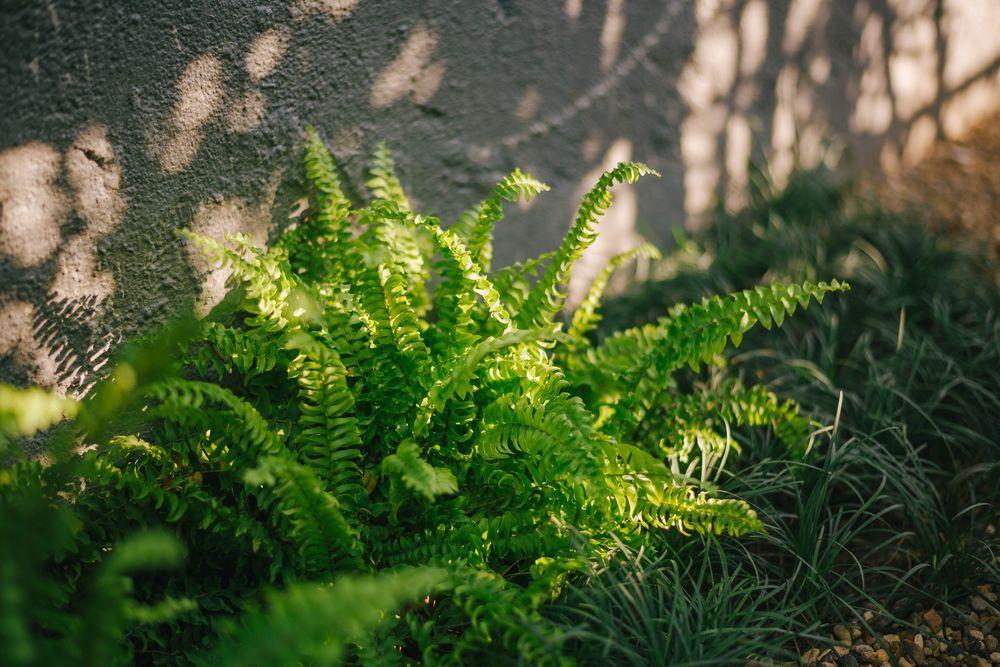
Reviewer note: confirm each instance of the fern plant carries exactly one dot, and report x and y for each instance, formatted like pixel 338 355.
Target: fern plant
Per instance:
pixel 345 418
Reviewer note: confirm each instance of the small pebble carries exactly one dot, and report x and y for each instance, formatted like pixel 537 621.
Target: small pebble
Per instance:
pixel 933 620
pixel 842 633
pixel 978 603
pixel 914 651
pixel 847 660
pixel 974 634
pixel 995 657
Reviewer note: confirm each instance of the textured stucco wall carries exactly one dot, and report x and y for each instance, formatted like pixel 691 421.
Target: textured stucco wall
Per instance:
pixel 125 120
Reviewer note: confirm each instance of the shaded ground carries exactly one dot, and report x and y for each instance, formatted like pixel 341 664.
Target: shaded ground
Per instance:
pixel 965 634
pixel 956 189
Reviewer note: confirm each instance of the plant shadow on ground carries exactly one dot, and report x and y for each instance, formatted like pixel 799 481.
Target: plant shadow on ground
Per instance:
pixel 894 511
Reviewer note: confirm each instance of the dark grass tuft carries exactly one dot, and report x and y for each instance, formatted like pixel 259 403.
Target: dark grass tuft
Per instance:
pixel 896 507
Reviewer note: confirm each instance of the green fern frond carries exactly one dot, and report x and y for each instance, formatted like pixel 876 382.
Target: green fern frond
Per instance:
pixel 681 507
pixel 516 186
pixel 456 378
pixel 322 173
pixel 546 299
pixel 514 281
pixel 383 183
pixel 325 541
pixel 228 349
pixel 315 623
pixel 403 320
pixel 239 440
pixel 394 242
pixel 680 423
pixel 275 300
pixel 25 412
pixel 316 244
pixel 695 334
pixel 328 440
pixel 417 475
pixel 586 318
pixel 458 269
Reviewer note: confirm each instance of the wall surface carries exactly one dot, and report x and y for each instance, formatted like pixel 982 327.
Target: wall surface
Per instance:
pixel 123 121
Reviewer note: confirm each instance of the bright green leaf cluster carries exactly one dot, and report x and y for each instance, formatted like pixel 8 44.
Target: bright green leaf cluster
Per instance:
pixel 347 419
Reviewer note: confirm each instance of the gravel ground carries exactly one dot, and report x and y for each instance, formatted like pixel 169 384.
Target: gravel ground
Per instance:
pixel 964 634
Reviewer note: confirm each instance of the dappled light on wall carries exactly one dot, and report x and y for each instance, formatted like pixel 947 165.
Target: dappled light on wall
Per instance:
pixel 95 177
pixel 32 206
pixel 611 33
pixel 266 52
pixel 218 219
pixel 199 96
pixel 415 72
pixel 333 10
pixel 54 341
pixel 922 69
pixel 695 88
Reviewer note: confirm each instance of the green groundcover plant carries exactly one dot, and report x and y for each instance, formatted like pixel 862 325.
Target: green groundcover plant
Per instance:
pixel 378 449
pixel 894 511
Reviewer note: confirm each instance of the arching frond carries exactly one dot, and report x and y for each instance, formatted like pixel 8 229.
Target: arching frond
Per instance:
pixel 516 186
pixel 546 299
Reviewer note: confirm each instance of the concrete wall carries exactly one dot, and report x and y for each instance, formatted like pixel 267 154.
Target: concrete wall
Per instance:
pixel 125 120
